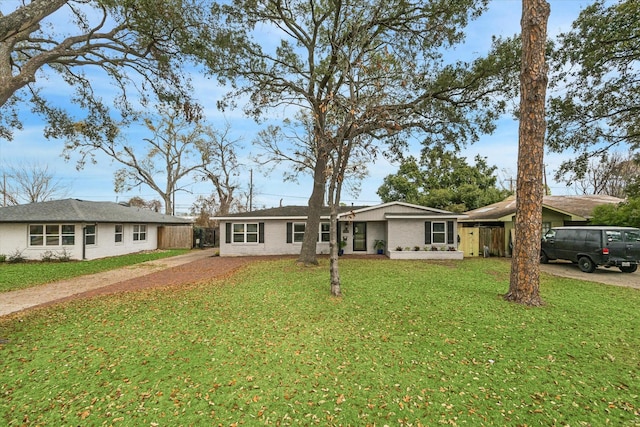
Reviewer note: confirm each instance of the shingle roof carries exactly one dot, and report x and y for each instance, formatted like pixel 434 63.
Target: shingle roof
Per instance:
pixel 288 212
pixel 74 210
pixel 581 205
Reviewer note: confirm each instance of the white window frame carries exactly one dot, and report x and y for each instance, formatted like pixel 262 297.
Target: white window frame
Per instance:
pixel 324 233
pixel 118 231
pixel 297 231
pixel 245 232
pixel 442 232
pixel 52 235
pixel 87 234
pixel 139 232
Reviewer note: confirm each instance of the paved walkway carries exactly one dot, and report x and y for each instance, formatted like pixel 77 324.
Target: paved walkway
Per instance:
pixel 14 301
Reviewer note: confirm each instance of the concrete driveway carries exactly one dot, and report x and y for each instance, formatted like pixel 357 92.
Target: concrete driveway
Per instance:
pixel 607 276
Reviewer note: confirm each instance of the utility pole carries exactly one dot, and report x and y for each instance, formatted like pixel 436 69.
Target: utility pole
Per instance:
pixel 510 180
pixel 250 190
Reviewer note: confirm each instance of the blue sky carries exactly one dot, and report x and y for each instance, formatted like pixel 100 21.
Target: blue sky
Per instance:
pixel 95 182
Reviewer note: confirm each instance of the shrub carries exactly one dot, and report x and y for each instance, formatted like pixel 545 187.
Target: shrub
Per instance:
pixel 63 256
pixel 47 256
pixel 16 257
pixel 3 257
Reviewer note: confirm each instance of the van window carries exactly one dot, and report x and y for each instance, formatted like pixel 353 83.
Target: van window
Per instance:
pixel 550 234
pixel 632 236
pixel 613 236
pixel 593 236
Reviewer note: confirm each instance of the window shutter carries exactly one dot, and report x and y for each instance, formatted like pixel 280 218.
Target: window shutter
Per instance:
pixel 261 232
pixel 227 232
pixel 450 232
pixel 289 232
pixel 427 232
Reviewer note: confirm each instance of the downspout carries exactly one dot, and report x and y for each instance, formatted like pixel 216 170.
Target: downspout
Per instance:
pixel 84 241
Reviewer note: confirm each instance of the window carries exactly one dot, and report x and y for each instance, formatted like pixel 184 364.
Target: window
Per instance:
pixel 438 233
pixel 324 232
pixel 295 232
pixel 614 236
pixel 68 235
pixel 245 233
pixel 139 232
pixel 36 235
pixel 632 236
pixel 118 233
pixel 51 235
pixel 546 226
pixel 298 231
pixel 90 235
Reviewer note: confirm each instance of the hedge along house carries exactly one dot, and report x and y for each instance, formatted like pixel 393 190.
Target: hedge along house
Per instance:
pixel 280 231
pixel 84 230
pixel 489 230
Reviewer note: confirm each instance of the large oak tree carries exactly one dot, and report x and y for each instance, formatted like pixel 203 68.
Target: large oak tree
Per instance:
pixel 133 43
pixel 362 70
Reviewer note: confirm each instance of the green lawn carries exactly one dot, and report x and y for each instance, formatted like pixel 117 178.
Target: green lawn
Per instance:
pixel 410 343
pixel 24 275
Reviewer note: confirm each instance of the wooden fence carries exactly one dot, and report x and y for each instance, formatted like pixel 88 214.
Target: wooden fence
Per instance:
pixel 175 237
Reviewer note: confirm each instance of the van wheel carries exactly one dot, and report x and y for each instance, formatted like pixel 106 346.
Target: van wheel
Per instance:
pixel 544 259
pixel 586 265
pixel 629 269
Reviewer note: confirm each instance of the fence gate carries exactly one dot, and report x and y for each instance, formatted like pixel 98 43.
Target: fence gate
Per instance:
pixel 491 241
pixel 469 241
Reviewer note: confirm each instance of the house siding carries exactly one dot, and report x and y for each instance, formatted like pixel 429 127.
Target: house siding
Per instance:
pixel 397 223
pixel 275 241
pixel 106 246
pixel 406 233
pixel 409 233
pixel 15 238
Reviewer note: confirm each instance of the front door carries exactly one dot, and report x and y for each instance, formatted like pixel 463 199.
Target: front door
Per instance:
pixel 359 236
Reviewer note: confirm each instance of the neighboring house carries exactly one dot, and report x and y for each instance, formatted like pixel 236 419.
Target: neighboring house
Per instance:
pixel 489 230
pixel 280 231
pixel 82 229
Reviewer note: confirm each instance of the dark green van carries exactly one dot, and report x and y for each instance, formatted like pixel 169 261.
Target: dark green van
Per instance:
pixel 592 246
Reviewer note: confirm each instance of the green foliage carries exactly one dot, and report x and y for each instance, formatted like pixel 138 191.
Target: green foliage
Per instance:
pixel 411 343
pixel 133 43
pixel 597 69
pixel 624 214
pixel 444 181
pixel 24 275
pixel 360 69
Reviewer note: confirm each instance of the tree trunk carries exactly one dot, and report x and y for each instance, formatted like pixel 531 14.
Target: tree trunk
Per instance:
pixel 334 271
pixel 524 283
pixel 316 202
